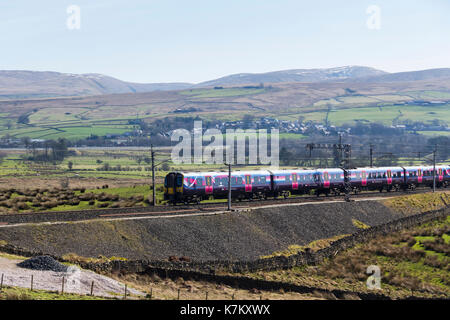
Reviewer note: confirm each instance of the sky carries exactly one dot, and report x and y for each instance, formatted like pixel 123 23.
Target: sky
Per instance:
pixel 198 40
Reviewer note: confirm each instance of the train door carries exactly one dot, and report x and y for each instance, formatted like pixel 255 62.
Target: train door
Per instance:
pixel 363 178
pixel 440 174
pixel 326 180
pixel 389 177
pixel 248 183
pixel 419 175
pixel 294 181
pixel 208 185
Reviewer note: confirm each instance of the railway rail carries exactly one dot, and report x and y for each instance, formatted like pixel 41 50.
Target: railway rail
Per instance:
pixel 165 210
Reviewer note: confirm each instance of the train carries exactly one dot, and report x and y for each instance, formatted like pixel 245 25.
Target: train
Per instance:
pixel 193 187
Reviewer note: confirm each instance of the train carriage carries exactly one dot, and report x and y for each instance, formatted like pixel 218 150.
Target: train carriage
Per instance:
pixel 287 182
pixel 193 187
pixel 250 184
pixel 382 178
pixel 197 186
pixel 330 181
pixel 423 176
pixel 446 173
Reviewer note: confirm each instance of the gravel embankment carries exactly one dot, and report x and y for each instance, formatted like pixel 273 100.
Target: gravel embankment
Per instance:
pixel 232 236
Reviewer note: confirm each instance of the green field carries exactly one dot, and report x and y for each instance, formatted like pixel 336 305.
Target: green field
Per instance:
pixel 227 104
pixel 387 114
pixel 219 93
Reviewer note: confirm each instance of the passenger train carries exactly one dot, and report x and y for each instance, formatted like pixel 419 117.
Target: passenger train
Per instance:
pixel 193 187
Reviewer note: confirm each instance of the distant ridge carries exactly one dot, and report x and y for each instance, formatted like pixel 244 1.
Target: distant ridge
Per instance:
pixel 429 74
pixel 23 84
pixel 296 75
pixel 20 84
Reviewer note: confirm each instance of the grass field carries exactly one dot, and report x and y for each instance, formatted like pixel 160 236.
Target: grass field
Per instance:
pixel 220 93
pixel 81 120
pixel 387 114
pixel 412 262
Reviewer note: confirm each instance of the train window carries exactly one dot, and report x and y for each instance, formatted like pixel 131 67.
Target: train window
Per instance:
pixel 179 180
pixel 236 181
pixel 199 181
pixel 259 180
pixel 170 180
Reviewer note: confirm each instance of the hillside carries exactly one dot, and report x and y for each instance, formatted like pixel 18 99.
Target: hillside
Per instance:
pixel 431 74
pixel 296 75
pixel 112 105
pixel 16 84
pixel 239 236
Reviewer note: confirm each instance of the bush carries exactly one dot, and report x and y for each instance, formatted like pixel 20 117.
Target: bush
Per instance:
pixel 21 206
pixel 103 204
pixel 49 204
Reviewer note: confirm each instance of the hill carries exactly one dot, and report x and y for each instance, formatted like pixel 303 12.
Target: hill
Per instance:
pixel 17 84
pixel 296 75
pixel 430 74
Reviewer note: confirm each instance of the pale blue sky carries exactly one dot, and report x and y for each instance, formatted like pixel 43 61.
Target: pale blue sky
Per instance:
pixel 198 40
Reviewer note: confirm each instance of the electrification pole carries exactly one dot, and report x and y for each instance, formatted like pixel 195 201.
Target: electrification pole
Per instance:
pixel 434 169
pixel 229 187
pixel 153 176
pixel 371 156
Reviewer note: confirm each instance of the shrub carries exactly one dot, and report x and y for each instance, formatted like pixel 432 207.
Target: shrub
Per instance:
pixel 21 206
pixel 103 204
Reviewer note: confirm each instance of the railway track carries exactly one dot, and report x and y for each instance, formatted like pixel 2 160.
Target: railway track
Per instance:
pixel 166 210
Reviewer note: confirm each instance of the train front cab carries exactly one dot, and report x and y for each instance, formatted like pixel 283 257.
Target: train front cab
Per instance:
pixel 173 187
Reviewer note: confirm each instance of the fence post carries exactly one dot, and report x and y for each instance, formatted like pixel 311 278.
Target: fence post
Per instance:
pixel 92 288
pixel 62 287
pixel 151 293
pixel 31 282
pixel 125 297
pixel 178 293
pixel 206 295
pixel 1 283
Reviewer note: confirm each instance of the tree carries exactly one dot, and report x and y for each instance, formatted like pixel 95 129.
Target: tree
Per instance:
pixel 285 156
pixel 248 121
